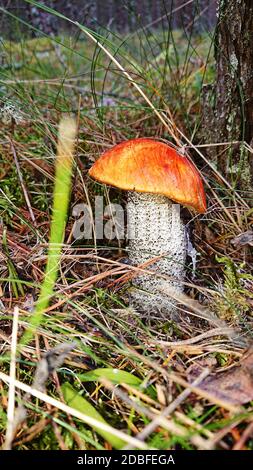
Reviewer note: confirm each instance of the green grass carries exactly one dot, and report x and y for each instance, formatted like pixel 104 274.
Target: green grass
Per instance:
pixel 62 190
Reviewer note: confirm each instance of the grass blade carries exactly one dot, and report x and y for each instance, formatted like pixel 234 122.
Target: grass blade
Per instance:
pixel 79 403
pixel 63 173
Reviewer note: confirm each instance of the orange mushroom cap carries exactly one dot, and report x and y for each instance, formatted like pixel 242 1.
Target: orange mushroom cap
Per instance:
pixel 149 166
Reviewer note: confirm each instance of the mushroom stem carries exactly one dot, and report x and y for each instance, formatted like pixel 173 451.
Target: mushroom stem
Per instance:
pixel 155 228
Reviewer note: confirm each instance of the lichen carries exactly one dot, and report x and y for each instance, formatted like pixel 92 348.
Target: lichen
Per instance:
pixel 234 63
pixel 10 111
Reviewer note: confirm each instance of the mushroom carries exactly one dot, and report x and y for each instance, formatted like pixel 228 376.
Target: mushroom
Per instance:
pixel 155 175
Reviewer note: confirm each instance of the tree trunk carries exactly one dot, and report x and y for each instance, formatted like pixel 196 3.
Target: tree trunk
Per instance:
pixel 228 103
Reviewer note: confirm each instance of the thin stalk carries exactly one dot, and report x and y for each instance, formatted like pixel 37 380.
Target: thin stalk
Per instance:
pixel 62 188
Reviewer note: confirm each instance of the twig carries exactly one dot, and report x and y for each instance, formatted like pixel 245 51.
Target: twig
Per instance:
pixel 77 414
pixel 169 409
pixel 199 311
pixel 52 359
pixel 161 420
pixel 224 331
pixel 27 200
pixel 180 381
pixel 11 395
pixel 248 432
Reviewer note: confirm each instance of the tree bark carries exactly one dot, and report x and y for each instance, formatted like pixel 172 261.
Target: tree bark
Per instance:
pixel 228 103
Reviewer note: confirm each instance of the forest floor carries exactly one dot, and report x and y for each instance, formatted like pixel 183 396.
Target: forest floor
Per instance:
pixel 143 392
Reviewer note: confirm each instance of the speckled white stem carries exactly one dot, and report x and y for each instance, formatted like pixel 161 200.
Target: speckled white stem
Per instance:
pixel 155 228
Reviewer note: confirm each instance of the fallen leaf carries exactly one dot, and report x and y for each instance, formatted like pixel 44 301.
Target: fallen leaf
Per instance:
pixel 245 238
pixel 235 386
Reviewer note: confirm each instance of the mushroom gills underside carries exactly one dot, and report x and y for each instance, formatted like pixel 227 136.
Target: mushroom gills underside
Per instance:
pixel 156 229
